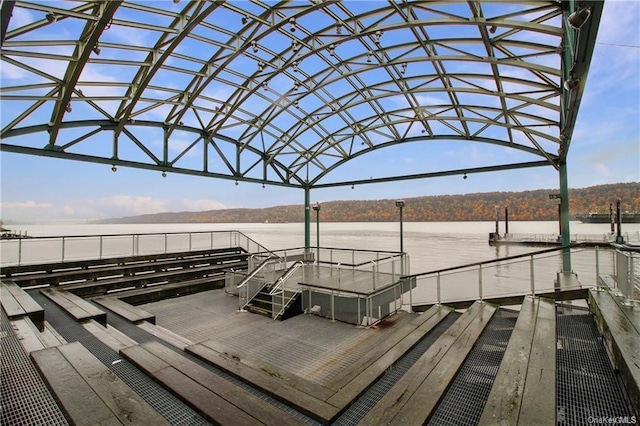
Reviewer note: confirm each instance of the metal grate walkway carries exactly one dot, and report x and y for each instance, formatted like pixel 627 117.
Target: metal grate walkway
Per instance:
pixel 465 399
pixel 362 405
pixel 24 398
pixel 587 386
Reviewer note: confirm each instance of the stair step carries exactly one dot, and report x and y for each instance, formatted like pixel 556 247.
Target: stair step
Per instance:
pixel 259 310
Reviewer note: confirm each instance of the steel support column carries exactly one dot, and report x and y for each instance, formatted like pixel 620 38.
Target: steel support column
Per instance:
pixel 307 219
pixel 564 218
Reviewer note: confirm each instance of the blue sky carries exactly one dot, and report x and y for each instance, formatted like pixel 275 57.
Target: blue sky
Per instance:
pixel 605 149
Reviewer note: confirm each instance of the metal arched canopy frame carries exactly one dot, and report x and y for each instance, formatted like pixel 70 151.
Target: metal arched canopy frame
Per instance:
pixel 284 93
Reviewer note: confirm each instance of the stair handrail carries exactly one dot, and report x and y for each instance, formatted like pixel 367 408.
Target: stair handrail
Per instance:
pixel 245 281
pixel 279 285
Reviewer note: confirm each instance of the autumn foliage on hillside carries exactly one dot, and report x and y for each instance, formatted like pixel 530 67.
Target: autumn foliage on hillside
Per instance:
pixel 527 205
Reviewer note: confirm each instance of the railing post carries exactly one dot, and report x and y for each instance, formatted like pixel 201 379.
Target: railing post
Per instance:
pixel 480 281
pixel 133 244
pixel 20 251
pixel 438 289
pixel 165 243
pixel 393 271
pixel 358 319
pixel 533 281
pixel 100 247
pixel 597 268
pixel 332 306
pixel 211 235
pixel 62 259
pixel 373 271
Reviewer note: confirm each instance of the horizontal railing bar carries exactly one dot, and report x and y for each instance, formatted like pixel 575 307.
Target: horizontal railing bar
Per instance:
pixel 487 262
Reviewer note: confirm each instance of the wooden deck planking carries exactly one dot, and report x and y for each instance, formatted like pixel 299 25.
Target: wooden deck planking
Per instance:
pixel 620 327
pixel 219 400
pixel 87 391
pixel 18 303
pixel 125 310
pixel 376 369
pixel 268 383
pixel 396 398
pixel 75 306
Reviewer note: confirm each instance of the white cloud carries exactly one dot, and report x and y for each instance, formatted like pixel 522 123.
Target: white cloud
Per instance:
pixel 128 205
pixel 202 204
pixel 25 205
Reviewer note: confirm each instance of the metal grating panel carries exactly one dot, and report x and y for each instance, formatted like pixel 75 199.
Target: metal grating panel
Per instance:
pixel 465 399
pixel 587 386
pixel 362 405
pixel 142 336
pixel 167 405
pixel 24 397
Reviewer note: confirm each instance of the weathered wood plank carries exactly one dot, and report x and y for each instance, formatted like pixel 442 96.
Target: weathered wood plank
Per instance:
pixel 539 394
pixel 361 382
pixel 617 324
pixel 125 310
pixel 355 369
pixel 166 335
pixel 424 401
pixel 389 406
pixel 125 404
pixel 235 395
pixel 75 306
pixel 504 400
pixel 296 382
pixel 18 303
pixel 27 334
pixel 108 335
pixel 78 402
pixel 271 385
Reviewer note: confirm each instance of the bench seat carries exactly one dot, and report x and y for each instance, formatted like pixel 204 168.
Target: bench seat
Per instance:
pixel 17 303
pixel 75 306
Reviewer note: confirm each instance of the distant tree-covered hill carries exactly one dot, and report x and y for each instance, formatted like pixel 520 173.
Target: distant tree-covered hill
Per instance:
pixel 527 205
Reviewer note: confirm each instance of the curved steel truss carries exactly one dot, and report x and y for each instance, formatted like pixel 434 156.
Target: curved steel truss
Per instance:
pixel 285 93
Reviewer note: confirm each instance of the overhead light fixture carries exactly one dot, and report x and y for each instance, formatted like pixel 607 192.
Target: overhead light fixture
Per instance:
pixel 51 17
pixel 493 29
pixel 96 49
pixel 296 104
pixel 292 22
pixel 339 28
pixel 404 68
pixel 68 107
pixel 236 183
pixel 332 49
pixel 296 85
pixel 164 174
pixel 114 168
pixel 254 46
pixel 464 177
pixel 369 54
pixel 295 65
pixel 245 19
pixel 577 19
pixel 571 83
pixel 265 85
pixel 176 1
pixel 295 46
pixel 378 35
pixel 260 66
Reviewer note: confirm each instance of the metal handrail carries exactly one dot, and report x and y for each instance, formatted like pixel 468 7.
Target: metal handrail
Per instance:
pixel 280 284
pixel 257 269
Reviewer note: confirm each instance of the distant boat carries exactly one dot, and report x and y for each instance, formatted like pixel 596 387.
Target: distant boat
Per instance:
pixel 594 217
pixel 7 234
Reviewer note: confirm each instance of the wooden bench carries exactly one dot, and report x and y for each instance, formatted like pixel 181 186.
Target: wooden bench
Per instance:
pixel 619 325
pixel 103 286
pixel 217 399
pixel 524 390
pixel 17 303
pixel 132 268
pixel 75 306
pixel 165 291
pixel 87 392
pixel 415 396
pixel 31 338
pixel 125 310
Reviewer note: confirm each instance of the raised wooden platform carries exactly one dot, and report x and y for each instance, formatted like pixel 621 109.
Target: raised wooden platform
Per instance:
pixel 619 325
pixel 524 390
pixel 87 391
pixel 17 303
pixel 217 399
pixel 78 308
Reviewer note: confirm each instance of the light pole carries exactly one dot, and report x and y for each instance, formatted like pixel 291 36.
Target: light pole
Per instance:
pixel 316 208
pixel 400 205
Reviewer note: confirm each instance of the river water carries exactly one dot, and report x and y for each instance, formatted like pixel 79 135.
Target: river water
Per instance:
pixel 430 245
